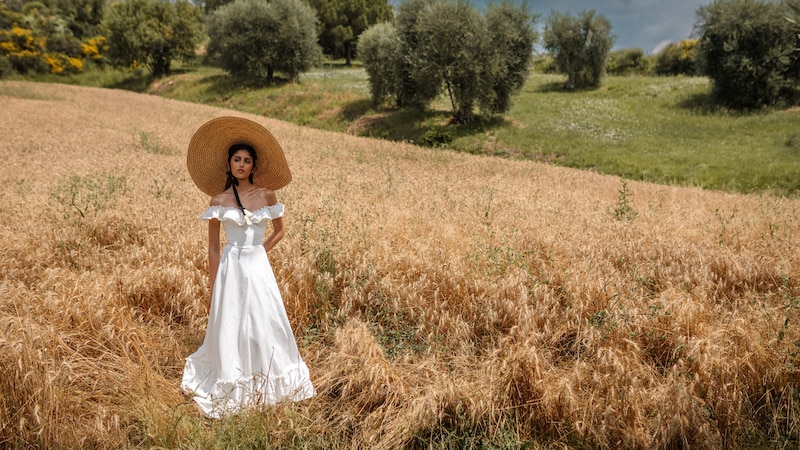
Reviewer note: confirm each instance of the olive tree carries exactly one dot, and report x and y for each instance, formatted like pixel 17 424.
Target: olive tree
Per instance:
pixel 509 55
pixel 378 47
pixel 343 21
pixel 152 33
pixel 749 51
pixel 450 41
pixel 256 38
pixel 412 92
pixel 449 48
pixel 580 46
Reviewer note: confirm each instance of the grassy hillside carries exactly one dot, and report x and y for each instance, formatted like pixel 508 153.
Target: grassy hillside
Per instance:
pixel 658 129
pixel 440 299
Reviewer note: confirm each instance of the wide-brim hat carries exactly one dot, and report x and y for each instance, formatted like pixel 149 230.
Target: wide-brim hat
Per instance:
pixel 207 157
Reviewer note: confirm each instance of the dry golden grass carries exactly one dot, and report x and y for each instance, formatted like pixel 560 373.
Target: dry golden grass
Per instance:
pixel 437 297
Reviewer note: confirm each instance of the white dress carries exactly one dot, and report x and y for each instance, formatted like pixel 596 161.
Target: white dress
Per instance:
pixel 249 355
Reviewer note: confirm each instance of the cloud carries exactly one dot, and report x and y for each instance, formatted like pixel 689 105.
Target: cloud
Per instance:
pixel 644 24
pixel 661 46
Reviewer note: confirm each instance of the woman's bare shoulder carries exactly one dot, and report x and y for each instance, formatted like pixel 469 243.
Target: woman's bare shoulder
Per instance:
pixel 267 195
pixel 222 199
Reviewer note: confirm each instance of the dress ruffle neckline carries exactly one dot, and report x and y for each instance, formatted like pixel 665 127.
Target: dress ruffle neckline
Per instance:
pixel 234 214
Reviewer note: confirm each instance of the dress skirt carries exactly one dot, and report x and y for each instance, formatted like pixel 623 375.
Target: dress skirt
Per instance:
pixel 249 355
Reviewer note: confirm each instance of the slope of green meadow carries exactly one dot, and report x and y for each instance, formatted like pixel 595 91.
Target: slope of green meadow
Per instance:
pixel 657 129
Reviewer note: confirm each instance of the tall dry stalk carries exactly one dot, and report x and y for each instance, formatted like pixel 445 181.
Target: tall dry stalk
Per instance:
pixel 437 297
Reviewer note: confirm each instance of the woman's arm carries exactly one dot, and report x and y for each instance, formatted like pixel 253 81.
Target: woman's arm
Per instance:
pixel 277 234
pixel 213 254
pixel 277 224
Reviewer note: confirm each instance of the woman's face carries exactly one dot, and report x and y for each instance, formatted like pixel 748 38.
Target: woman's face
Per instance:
pixel 241 164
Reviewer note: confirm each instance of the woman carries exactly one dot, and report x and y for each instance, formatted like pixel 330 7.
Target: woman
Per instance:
pixel 249 355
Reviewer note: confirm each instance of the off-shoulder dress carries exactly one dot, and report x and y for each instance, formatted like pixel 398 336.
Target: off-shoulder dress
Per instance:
pixel 249 355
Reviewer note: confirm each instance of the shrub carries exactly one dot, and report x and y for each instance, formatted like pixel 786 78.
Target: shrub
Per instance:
pixel 544 64
pixel 64 43
pixel 413 93
pixel 436 138
pixel 6 68
pixel 61 64
pixel 8 18
pixel 449 47
pixel 45 43
pixel 26 62
pixel 152 33
pixel 451 38
pixel 94 49
pixel 509 55
pixel 749 50
pixel 580 46
pixel 677 59
pixel 256 38
pixel 627 61
pixel 23 49
pixel 378 48
pixel 343 22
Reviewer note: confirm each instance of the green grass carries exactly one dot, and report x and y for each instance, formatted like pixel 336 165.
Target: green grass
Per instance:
pixel 330 97
pixel 658 129
pixel 662 130
pixel 131 80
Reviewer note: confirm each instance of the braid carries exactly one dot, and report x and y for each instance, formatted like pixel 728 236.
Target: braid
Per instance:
pixel 236 194
pixel 231 180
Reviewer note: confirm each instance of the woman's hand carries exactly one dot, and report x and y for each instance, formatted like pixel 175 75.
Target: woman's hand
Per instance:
pixel 277 234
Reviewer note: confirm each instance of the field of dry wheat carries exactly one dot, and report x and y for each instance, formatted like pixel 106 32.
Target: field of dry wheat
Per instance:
pixel 438 298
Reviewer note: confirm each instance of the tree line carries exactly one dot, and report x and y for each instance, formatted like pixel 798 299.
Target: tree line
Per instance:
pixel 413 53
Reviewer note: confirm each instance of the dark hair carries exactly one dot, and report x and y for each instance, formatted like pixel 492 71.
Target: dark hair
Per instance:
pixel 232 181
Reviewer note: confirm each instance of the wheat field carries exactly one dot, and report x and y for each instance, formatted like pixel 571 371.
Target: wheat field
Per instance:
pixel 439 299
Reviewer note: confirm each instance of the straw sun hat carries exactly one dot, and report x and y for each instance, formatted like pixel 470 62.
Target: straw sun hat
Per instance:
pixel 207 156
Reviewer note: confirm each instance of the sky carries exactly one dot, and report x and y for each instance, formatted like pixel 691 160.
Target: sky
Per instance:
pixel 645 24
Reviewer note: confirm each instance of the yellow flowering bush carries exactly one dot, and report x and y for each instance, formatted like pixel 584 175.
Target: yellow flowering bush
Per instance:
pixel 27 52
pixel 62 64
pixel 55 64
pixel 675 59
pixel 20 39
pixel 75 64
pixel 687 47
pixel 47 47
pixel 23 49
pixel 94 48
